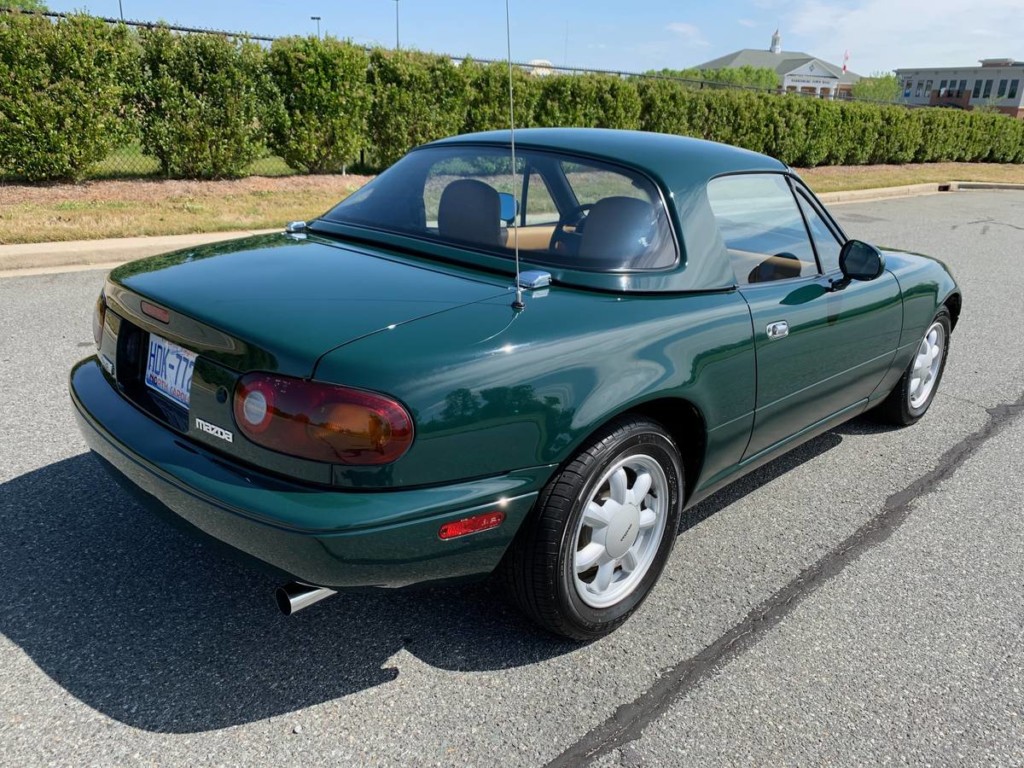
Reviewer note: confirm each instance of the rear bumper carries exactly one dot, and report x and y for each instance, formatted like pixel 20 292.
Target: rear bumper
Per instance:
pixel 322 536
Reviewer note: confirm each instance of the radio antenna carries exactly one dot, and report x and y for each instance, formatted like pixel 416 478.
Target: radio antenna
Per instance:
pixel 517 304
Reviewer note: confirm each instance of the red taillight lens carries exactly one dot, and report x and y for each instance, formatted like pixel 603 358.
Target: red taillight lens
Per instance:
pixel 322 422
pixel 99 316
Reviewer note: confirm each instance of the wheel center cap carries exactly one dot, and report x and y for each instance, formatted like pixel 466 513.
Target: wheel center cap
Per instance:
pixel 623 530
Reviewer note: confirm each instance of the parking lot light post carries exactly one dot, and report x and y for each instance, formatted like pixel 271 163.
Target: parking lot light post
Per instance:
pixel 317 20
pixel 398 43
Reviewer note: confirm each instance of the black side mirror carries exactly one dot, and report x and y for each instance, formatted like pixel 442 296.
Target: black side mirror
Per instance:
pixel 858 261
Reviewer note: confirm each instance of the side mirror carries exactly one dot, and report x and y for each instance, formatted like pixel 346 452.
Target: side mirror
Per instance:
pixel 509 208
pixel 860 261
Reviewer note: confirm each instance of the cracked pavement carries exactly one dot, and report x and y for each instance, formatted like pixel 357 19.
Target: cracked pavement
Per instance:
pixel 856 601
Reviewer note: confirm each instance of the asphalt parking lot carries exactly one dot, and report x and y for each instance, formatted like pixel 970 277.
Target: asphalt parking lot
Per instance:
pixel 860 600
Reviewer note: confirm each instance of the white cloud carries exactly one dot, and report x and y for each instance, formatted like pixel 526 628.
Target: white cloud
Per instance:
pixel 891 34
pixel 690 33
pixel 748 23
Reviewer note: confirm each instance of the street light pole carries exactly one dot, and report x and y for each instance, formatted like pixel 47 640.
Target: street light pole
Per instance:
pixel 398 43
pixel 120 9
pixel 317 20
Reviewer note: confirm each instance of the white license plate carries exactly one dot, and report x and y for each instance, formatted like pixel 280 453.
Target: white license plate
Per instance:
pixel 169 369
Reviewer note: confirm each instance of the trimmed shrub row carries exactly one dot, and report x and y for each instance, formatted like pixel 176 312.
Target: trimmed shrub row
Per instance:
pixel 206 106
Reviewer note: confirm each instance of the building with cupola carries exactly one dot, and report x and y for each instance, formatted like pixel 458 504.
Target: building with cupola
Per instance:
pixel 798 72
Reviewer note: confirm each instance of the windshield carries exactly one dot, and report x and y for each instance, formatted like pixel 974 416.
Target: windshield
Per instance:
pixel 572 213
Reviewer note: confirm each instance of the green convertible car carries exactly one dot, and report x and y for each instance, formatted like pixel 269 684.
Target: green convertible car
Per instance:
pixel 388 396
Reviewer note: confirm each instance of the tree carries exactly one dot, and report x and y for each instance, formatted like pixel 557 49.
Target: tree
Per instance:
pixel 880 86
pixel 762 78
pixel 26 5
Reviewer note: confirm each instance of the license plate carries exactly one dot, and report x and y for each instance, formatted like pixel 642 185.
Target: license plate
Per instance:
pixel 169 369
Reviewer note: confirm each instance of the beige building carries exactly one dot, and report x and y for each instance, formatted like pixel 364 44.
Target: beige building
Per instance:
pixel 997 83
pixel 797 71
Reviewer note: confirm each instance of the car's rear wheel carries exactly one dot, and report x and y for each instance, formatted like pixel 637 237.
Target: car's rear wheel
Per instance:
pixel 601 533
pixel 915 391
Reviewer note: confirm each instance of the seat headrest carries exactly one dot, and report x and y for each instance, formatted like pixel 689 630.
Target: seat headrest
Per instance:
pixel 616 230
pixel 470 211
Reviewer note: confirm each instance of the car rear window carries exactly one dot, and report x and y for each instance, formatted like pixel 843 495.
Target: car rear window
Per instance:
pixel 572 213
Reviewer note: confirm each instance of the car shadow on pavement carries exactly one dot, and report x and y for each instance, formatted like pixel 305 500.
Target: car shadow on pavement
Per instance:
pixel 759 477
pixel 156 629
pixel 160 630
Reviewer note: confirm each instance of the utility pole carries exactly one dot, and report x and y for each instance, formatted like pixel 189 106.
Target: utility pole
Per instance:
pixel 398 43
pixel 120 10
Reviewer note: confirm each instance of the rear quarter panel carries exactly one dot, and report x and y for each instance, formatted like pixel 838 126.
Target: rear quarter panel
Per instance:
pixel 492 390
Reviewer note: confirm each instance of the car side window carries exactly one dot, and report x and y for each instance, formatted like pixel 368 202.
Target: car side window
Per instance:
pixel 540 207
pixel 826 243
pixel 761 225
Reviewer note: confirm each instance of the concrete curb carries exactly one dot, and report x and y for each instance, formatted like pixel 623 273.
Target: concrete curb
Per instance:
pixel 76 253
pixel 967 185
pixel 885 193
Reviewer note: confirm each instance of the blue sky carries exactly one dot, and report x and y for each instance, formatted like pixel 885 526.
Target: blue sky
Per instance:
pixel 879 34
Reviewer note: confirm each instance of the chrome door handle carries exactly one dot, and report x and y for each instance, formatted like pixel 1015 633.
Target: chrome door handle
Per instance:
pixel 777 330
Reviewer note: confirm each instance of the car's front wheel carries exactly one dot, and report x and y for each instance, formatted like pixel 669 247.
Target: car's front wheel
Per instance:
pixel 915 391
pixel 601 533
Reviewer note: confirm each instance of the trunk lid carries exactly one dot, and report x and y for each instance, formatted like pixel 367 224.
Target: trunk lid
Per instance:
pixel 279 302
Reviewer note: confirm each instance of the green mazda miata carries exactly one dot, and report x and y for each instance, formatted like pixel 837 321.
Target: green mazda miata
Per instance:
pixel 386 396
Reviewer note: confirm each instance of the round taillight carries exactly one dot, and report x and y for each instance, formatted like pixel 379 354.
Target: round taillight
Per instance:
pixel 254 408
pixel 254 398
pixel 322 422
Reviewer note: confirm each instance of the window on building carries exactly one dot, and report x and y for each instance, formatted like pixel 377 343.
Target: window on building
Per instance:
pixel 942 88
pixel 988 89
pixel 917 91
pixel 1002 89
pixel 908 88
pixel 927 87
pixel 1013 89
pixel 963 88
pixel 977 89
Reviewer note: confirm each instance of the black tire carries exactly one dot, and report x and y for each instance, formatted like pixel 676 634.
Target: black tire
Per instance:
pixel 538 570
pixel 897 408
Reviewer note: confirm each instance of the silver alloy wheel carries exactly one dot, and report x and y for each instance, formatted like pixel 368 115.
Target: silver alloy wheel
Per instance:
pixel 926 366
pixel 620 531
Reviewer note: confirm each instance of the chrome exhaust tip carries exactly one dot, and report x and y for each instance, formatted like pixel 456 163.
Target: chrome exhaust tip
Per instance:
pixel 296 596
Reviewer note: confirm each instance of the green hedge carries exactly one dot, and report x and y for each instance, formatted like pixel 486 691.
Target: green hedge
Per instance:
pixel 416 98
pixel 65 94
pixel 487 97
pixel 208 103
pixel 326 102
pixel 205 106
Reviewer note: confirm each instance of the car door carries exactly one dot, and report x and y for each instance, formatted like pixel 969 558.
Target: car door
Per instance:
pixel 820 352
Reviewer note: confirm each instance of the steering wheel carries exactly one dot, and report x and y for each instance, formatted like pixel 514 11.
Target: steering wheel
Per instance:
pixel 565 241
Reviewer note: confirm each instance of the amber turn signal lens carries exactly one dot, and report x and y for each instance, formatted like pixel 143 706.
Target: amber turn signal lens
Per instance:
pixel 99 317
pixel 473 524
pixel 321 422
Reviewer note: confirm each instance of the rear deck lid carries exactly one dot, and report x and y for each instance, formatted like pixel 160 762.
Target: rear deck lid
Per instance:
pixel 277 303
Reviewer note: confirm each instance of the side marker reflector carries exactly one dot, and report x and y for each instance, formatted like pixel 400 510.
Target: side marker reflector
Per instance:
pixel 473 524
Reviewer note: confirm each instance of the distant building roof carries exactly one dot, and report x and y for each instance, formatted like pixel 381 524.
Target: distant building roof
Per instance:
pixel 783 62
